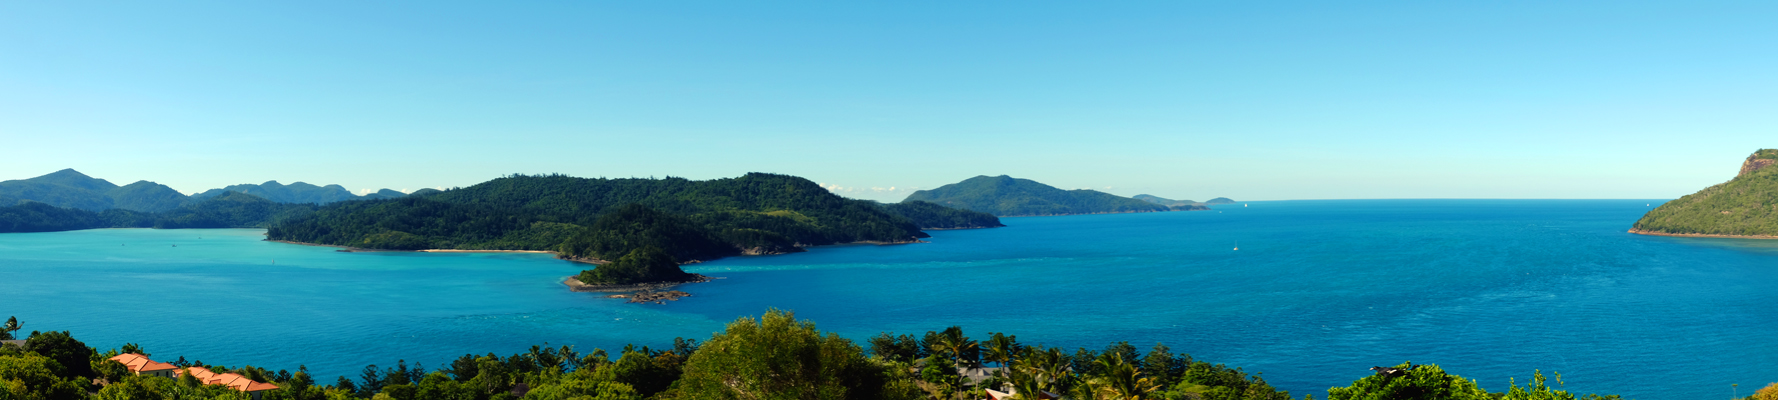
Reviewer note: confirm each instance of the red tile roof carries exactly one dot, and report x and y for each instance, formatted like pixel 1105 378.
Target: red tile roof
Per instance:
pixel 138 363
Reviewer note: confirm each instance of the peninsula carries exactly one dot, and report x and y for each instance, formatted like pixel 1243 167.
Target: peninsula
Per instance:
pixel 1739 208
pixel 1006 196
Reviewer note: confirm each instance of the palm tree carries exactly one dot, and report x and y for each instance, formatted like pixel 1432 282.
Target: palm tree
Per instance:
pixel 1001 350
pixel 12 325
pixel 1038 371
pixel 952 342
pixel 1122 381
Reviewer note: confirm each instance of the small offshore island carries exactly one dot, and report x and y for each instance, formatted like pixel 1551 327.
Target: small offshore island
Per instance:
pixel 1740 208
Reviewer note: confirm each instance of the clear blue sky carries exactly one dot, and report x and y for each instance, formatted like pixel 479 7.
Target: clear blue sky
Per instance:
pixel 1245 99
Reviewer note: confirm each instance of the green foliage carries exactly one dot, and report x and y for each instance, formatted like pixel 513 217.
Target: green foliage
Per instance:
pixel 778 357
pixel 1424 382
pixel 32 376
pixel 772 357
pixel 584 385
pixel 610 218
pixel 1431 382
pixel 11 325
pixel 646 264
pixel 1746 205
pixel 1006 196
pixel 72 355
pixel 934 216
pixel 1538 390
pixel 632 227
pixel 902 349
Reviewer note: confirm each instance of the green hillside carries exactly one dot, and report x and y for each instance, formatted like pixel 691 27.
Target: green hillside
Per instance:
pixel 1220 200
pixel 232 210
pixel 1744 206
pixel 1007 196
pixel 146 196
pixel 933 216
pixel 608 218
pixel 66 188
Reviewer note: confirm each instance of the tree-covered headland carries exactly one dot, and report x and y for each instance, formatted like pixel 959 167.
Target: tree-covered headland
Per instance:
pixel 774 356
pixel 1744 206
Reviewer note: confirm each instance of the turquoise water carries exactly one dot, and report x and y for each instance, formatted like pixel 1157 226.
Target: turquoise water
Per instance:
pixel 1318 292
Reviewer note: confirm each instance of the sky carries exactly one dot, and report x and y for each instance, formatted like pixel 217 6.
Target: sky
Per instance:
pixel 1252 100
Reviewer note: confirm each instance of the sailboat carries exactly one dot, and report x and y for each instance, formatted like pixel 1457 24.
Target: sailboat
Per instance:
pixel 1237 245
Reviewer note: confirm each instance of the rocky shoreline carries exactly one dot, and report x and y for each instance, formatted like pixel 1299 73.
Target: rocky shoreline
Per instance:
pixel 653 292
pixel 1701 235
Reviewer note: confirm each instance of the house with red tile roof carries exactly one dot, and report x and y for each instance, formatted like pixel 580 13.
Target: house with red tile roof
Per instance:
pixel 141 365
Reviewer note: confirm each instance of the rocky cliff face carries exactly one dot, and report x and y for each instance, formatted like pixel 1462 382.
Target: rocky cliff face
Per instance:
pixel 1754 162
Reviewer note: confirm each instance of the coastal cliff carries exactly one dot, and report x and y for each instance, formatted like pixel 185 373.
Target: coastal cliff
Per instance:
pixel 1743 207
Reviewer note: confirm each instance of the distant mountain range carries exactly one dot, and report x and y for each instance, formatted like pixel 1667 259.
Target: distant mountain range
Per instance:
pixel 299 193
pixel 1743 206
pixel 1006 196
pixel 71 189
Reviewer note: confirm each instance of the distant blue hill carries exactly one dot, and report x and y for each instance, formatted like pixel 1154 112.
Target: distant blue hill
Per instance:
pixel 68 188
pixel 72 189
pixel 298 192
pixel 1006 196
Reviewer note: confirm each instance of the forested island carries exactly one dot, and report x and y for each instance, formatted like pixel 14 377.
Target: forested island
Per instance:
pixel 774 356
pixel 1006 196
pixel 648 225
pixel 1742 207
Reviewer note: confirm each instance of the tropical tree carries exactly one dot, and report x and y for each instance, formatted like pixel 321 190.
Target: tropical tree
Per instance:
pixel 12 325
pixel 1770 392
pixel 954 345
pixel 1040 370
pixel 778 357
pixel 1121 380
pixel 1423 382
pixel 1001 349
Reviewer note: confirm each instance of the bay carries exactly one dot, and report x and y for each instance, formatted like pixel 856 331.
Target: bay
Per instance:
pixel 1318 292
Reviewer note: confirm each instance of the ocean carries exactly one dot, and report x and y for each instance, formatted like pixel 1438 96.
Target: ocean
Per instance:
pixel 1317 293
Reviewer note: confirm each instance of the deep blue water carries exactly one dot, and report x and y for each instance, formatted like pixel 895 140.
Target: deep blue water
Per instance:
pixel 1318 292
